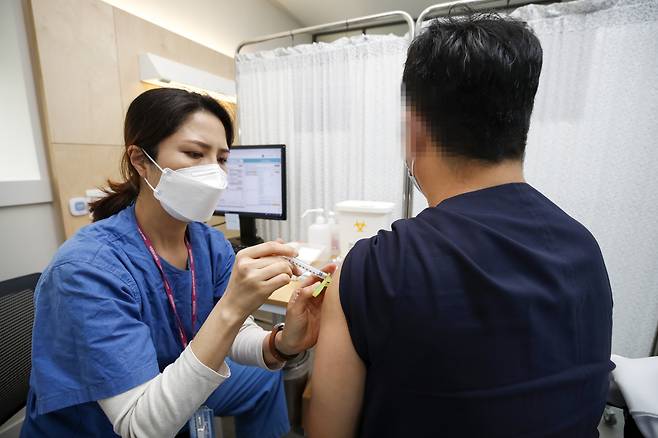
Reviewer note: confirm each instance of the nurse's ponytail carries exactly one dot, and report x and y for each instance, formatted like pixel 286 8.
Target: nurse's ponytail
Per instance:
pixel 153 116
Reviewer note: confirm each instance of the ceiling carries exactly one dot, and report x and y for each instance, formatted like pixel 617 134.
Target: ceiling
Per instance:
pixel 309 13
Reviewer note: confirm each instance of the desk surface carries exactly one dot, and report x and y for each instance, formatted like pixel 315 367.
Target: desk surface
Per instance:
pixel 280 297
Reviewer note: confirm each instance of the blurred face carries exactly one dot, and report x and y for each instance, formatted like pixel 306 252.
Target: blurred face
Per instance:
pixel 200 140
pixel 415 135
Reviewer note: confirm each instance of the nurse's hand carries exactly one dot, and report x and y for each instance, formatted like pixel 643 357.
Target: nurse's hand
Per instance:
pixel 302 317
pixel 257 272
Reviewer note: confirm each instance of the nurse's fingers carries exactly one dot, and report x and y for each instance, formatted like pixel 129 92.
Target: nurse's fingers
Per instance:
pixel 267 261
pixel 271 271
pixel 329 269
pixel 268 249
pixel 277 282
pixel 306 297
pixel 263 262
pixel 306 291
pixel 307 281
pixel 303 300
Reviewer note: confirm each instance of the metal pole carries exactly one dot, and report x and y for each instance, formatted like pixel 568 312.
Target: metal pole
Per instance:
pixel 440 8
pixel 434 10
pixel 334 25
pixel 407 193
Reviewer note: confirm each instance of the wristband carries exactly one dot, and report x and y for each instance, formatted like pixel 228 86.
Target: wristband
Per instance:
pixel 275 351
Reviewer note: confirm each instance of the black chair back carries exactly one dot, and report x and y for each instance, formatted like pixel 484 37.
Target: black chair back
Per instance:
pixel 16 319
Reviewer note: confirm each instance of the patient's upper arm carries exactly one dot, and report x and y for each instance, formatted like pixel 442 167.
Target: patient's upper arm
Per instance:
pixel 338 374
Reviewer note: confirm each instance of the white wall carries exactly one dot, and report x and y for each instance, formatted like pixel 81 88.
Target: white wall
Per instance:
pixel 16 134
pixel 217 24
pixel 30 233
pixel 23 168
pixel 30 237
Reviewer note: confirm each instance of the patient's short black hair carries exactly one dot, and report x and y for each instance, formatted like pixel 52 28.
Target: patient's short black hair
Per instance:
pixel 473 81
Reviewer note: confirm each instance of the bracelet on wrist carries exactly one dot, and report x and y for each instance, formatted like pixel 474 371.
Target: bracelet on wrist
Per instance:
pixel 278 355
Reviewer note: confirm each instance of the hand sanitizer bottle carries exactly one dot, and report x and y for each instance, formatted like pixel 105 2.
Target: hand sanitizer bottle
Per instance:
pixel 319 233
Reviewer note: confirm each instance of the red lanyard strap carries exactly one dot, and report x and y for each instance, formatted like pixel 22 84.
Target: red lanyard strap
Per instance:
pixel 167 286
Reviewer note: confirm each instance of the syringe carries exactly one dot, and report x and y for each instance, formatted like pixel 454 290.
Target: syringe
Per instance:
pixel 306 267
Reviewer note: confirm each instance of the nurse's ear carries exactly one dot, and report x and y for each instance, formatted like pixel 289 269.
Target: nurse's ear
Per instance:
pixel 138 160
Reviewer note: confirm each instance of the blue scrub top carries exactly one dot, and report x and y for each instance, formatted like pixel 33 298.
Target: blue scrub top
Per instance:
pixel 103 324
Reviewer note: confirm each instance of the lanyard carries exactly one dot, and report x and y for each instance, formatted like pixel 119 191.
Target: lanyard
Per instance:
pixel 167 286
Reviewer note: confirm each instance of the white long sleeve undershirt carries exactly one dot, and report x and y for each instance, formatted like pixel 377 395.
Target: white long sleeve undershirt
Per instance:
pixel 162 406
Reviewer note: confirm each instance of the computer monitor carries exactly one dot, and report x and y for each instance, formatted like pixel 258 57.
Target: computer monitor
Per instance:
pixel 256 187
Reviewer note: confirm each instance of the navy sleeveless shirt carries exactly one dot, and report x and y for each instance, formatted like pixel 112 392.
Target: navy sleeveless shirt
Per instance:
pixel 489 315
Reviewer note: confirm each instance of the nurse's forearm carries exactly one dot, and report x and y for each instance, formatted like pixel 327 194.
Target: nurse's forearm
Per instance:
pixel 251 347
pixel 215 337
pixel 161 406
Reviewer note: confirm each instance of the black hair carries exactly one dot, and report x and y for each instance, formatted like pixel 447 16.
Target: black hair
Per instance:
pixel 473 80
pixel 153 116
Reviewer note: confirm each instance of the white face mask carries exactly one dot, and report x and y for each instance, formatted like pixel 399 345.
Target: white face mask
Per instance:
pixel 190 194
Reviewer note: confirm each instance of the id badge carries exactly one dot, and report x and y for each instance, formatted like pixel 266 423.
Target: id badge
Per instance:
pixel 201 425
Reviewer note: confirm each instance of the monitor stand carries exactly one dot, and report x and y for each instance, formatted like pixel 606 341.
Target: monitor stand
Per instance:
pixel 248 235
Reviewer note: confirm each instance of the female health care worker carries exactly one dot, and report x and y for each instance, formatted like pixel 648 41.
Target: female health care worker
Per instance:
pixel 137 312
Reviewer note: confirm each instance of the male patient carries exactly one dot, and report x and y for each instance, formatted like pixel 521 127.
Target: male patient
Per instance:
pixel 488 314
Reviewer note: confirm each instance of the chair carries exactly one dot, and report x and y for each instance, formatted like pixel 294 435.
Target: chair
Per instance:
pixel 16 319
pixel 634 389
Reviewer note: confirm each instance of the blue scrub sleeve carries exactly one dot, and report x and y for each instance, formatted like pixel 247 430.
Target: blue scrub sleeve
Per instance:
pixel 89 342
pixel 224 266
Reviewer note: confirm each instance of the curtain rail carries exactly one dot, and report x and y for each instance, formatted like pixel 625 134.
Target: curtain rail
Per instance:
pixel 336 25
pixel 441 9
pixel 414 28
pixel 385 18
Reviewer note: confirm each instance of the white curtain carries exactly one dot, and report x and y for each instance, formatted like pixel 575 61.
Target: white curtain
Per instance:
pixel 593 143
pixel 337 108
pixel 592 146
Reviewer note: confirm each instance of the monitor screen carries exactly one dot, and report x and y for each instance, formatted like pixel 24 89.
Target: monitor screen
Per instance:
pixel 256 182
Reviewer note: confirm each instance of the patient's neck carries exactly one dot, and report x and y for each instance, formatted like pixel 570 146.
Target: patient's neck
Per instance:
pixel 443 178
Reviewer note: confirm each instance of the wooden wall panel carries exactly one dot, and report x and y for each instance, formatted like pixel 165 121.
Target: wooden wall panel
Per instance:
pixel 78 59
pixel 81 167
pixel 88 56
